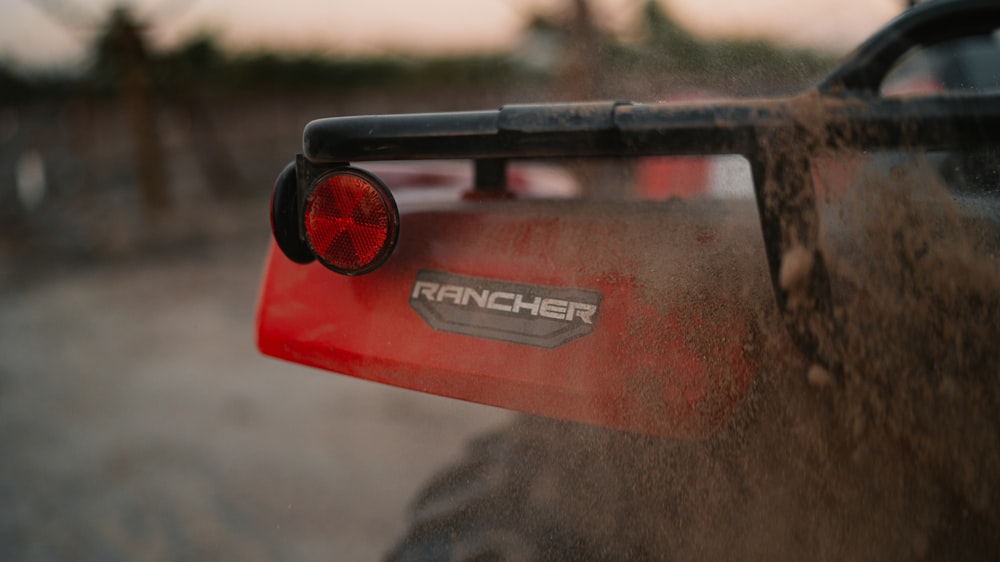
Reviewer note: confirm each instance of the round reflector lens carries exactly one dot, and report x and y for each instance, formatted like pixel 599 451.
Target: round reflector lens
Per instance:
pixel 351 221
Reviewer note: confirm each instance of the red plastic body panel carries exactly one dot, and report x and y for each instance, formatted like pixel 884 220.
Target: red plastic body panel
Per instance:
pixel 671 350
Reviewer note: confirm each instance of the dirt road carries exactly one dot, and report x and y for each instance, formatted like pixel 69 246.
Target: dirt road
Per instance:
pixel 138 422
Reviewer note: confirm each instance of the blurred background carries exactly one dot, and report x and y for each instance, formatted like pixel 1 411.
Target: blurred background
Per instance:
pixel 138 143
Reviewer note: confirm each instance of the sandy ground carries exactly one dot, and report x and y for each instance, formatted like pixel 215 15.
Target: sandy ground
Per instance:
pixel 138 422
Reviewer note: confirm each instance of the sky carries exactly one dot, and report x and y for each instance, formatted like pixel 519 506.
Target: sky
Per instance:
pixel 32 36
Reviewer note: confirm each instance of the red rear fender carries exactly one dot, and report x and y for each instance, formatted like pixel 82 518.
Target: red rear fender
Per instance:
pixel 636 316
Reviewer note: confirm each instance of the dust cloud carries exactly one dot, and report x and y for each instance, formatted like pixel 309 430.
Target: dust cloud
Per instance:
pixel 889 455
pixel 893 455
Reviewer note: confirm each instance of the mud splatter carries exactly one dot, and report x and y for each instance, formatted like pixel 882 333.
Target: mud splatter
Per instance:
pixel 890 455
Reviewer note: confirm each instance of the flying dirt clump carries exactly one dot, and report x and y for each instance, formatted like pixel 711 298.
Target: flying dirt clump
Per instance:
pixel 900 460
pixel 892 455
pixel 887 453
pixel 820 377
pixel 796 265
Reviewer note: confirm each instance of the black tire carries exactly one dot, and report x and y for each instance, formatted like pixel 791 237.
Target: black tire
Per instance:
pixel 545 490
pixel 507 500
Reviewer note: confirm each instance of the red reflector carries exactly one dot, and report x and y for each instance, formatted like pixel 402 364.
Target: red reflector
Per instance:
pixel 351 221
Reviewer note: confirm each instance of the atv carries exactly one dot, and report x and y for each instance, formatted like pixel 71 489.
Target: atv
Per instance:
pixel 802 368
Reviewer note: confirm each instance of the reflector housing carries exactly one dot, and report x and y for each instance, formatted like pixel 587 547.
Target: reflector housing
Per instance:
pixel 350 221
pixel 284 218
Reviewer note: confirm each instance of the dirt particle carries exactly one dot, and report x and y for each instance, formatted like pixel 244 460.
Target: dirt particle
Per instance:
pixel 795 267
pixel 819 377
